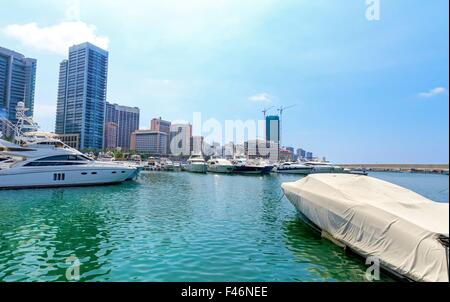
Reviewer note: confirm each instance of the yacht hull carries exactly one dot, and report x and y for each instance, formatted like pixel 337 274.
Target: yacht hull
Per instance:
pixel 197 168
pixel 221 169
pixel 318 170
pixel 250 170
pixel 299 171
pixel 27 178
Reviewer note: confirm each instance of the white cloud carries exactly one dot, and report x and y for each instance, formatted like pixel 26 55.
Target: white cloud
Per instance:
pixel 433 92
pixel 57 38
pixel 261 98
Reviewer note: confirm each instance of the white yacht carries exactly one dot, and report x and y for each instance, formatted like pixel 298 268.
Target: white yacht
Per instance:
pixel 153 164
pixel 324 167
pixel 220 165
pixel 51 163
pixel 167 165
pixel 196 164
pixel 38 159
pixel 294 168
pixel 244 166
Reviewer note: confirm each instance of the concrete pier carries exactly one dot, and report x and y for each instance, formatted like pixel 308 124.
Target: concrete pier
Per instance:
pixel 417 168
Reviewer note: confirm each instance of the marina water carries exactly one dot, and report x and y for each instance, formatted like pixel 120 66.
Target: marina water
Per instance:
pixel 176 227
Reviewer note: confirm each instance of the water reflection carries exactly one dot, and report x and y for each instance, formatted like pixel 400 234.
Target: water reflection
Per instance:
pixel 326 260
pixel 54 225
pixel 167 227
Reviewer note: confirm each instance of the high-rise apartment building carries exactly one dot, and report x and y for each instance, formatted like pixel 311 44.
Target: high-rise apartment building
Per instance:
pixel 17 83
pixel 273 129
pixel 158 124
pixel 301 154
pixel 111 132
pixel 82 95
pixel 127 121
pixel 149 142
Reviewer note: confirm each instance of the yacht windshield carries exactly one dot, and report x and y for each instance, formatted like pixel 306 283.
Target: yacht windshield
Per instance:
pixel 59 160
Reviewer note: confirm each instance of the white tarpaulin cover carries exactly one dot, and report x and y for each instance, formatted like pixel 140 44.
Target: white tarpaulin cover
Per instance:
pixel 377 218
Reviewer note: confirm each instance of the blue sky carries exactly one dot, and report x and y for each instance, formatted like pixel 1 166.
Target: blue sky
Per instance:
pixel 366 91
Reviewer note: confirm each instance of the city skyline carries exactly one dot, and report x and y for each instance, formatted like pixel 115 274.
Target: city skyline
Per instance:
pixel 356 104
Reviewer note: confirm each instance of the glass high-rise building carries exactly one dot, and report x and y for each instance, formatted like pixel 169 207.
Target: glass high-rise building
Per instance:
pixel 273 129
pixel 127 121
pixel 301 153
pixel 82 95
pixel 158 124
pixel 17 82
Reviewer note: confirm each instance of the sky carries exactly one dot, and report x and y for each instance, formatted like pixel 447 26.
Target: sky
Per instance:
pixel 369 82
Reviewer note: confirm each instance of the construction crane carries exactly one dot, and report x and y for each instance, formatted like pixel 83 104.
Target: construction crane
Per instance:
pixel 281 111
pixel 266 110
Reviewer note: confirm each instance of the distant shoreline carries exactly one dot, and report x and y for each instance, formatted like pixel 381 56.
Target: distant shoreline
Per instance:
pixel 427 168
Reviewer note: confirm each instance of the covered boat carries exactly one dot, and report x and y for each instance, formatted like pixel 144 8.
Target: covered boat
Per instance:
pixel 406 231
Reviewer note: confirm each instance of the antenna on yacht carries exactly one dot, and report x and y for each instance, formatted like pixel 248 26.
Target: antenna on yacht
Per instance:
pixel 24 121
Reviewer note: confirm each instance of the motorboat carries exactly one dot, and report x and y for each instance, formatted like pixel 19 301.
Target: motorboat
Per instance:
pixel 407 233
pixel 293 168
pixel 196 164
pixel 153 164
pixel 268 167
pixel 38 159
pixel 167 165
pixel 323 167
pixel 177 166
pixel 51 163
pixel 136 158
pixel 220 165
pixel 243 166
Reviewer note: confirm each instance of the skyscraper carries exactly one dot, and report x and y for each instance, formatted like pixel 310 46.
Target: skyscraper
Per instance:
pixel 291 151
pixel 82 95
pixel 17 82
pixel 111 130
pixel 273 135
pixel 158 124
pixel 127 121
pixel 273 128
pixel 301 154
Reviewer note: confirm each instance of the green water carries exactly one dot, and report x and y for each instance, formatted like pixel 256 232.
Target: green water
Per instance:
pixel 175 227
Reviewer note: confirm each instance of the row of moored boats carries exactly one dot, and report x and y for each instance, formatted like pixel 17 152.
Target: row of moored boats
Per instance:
pixel 241 165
